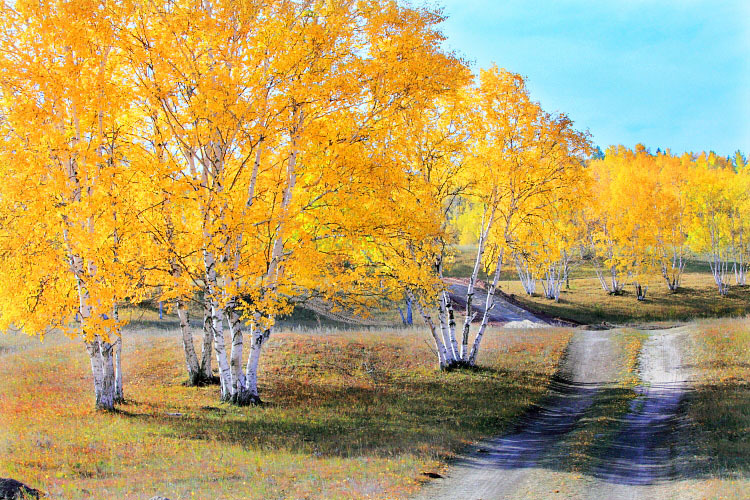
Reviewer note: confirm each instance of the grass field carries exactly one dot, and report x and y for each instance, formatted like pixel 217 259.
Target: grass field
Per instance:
pixel 717 440
pixel 587 303
pixel 348 415
pixel 356 413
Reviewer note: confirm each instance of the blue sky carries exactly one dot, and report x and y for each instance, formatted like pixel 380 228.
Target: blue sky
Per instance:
pixel 667 73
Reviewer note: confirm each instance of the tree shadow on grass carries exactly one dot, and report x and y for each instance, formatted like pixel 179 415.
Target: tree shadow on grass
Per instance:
pixel 430 413
pixel 686 304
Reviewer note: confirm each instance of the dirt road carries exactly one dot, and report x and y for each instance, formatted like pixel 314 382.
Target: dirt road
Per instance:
pixel 526 464
pixel 640 461
pixel 510 315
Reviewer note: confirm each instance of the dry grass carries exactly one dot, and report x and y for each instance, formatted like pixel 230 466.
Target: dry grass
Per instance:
pixel 719 409
pixel 349 415
pixel 587 303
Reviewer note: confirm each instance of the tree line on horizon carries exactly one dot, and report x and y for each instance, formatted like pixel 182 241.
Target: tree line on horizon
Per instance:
pixel 240 157
pixel 644 217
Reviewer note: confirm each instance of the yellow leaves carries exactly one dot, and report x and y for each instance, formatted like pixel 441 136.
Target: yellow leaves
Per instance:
pixel 648 209
pixel 627 198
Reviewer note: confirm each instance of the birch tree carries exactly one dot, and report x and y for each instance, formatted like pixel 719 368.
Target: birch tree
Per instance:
pixel 269 115
pixel 712 228
pixel 518 158
pixel 673 217
pixel 527 159
pixel 627 203
pixel 65 234
pixel 558 236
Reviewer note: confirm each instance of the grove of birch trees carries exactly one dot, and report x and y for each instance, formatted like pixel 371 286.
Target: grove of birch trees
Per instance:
pixel 235 158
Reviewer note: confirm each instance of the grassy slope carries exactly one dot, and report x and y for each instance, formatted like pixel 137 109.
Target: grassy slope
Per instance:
pixel 349 415
pixel 587 303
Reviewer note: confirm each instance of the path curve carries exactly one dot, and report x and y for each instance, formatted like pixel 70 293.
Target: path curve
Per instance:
pixel 510 315
pixel 496 467
pixel 635 465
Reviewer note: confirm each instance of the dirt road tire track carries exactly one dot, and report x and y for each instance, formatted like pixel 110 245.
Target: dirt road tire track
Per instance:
pixel 636 464
pixel 496 467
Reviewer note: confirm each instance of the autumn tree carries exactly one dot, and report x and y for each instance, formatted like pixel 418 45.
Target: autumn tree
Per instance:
pixel 559 236
pixel 265 120
pixel 65 203
pixel 714 226
pixel 673 216
pixel 516 165
pixel 432 144
pixel 627 203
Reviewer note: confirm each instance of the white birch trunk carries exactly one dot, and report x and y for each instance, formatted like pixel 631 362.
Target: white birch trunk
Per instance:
pixel 525 275
pixel 95 357
pixel 719 270
pixel 484 233
pixel 275 266
pixel 191 358
pixel 740 277
pixel 102 368
pixel 207 350
pixel 217 321
pixel 612 284
pixel 119 394
pixel 100 353
pixel 439 345
pixel 239 389
pixel 217 324
pixel 488 306
pixel 555 276
pixel 552 283
pixel 450 349
pixel 451 325
pixel 107 400
pixel 673 273
pixel 259 338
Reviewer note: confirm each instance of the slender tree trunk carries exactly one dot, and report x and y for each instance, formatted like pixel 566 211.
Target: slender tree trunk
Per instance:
pixel 119 394
pixel 439 346
pixel 451 324
pixel 208 337
pixel 259 338
pixel 102 368
pixel 191 359
pixel 403 318
pixel 640 291
pixel 108 397
pixel 95 357
pixel 240 392
pixel 217 320
pixel 217 323
pixel 525 275
pixel 451 353
pixel 488 306
pixel 470 315
pixel 553 281
pixel 117 349
pixel 719 269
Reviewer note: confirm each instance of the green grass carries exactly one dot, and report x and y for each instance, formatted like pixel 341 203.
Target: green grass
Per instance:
pixel 587 303
pixel 348 415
